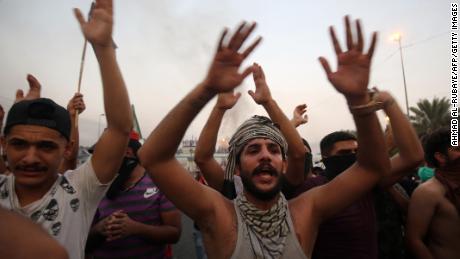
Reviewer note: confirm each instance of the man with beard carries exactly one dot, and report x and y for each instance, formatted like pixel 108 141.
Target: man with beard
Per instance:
pixel 226 181
pixel 37 137
pixel 134 220
pixel 433 224
pixel 353 232
pixel 260 223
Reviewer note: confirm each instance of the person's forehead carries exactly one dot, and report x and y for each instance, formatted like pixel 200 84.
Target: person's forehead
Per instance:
pixel 345 145
pixel 260 141
pixel 34 133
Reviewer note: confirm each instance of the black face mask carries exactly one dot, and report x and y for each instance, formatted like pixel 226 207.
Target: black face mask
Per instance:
pixel 126 168
pixel 308 162
pixel 337 164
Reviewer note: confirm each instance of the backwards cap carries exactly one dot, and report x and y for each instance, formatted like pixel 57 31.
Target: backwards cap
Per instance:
pixel 255 127
pixel 41 112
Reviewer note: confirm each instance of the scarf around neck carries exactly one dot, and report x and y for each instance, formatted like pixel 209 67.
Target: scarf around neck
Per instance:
pixel 267 229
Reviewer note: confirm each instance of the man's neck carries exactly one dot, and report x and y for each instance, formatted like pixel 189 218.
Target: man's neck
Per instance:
pixel 27 195
pixel 135 176
pixel 261 204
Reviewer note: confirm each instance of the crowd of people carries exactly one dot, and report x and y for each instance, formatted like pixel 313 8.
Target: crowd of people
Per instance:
pixel 268 202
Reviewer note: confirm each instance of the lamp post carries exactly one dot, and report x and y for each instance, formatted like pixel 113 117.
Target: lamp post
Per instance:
pixel 397 37
pixel 99 125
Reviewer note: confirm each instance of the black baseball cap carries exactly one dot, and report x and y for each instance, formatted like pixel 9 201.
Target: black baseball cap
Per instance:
pixel 41 112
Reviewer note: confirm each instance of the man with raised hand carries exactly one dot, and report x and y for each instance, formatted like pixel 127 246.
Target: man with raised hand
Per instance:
pixel 214 174
pixel 36 138
pixel 260 223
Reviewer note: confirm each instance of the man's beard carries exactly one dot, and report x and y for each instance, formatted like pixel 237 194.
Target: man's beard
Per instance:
pixel 251 188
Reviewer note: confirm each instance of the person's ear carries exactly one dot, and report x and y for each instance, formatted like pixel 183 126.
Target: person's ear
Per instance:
pixel 68 149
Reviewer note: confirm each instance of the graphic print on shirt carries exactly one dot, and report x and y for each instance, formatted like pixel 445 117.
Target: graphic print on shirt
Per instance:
pixel 36 215
pixel 74 204
pixel 56 228
pixel 51 211
pixel 150 192
pixel 4 190
pixel 66 186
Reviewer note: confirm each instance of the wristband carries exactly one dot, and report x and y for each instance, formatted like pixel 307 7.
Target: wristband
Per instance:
pixel 368 108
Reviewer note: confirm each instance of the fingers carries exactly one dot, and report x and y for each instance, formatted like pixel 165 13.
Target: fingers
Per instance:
pixel 261 71
pixel 237 96
pixel 79 16
pixel 221 41
pixel 240 35
pixel 249 50
pixel 19 95
pixel 370 53
pixel 326 66
pixel 246 73
pixel 34 87
pixel 252 94
pixel 335 42
pixel 33 83
pixel 105 4
pixel 360 44
pixel 348 33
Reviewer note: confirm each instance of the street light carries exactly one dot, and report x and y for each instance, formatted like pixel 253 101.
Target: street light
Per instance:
pixel 397 37
pixel 99 125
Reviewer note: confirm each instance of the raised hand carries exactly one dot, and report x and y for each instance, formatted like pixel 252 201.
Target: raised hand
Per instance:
pixel 76 104
pixel 98 29
pixel 262 94
pixel 226 101
pixel 223 75
pixel 353 69
pixel 299 115
pixel 34 90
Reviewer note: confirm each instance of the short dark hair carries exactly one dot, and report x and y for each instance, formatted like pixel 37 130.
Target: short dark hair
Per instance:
pixel 436 141
pixel 329 140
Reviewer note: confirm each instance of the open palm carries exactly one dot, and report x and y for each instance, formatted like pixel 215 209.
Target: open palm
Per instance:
pixel 223 75
pixel 98 29
pixel 353 69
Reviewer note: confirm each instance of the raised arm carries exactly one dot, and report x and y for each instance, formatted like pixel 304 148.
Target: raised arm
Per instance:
pixel 75 106
pixel 205 147
pixel 110 148
pixel 296 149
pixel 157 153
pixel 351 79
pixel 405 138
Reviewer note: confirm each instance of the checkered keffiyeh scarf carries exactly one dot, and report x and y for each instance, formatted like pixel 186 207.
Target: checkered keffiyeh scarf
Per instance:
pixel 255 127
pixel 267 229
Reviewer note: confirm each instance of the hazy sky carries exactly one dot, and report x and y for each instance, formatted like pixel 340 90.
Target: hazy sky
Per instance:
pixel 165 47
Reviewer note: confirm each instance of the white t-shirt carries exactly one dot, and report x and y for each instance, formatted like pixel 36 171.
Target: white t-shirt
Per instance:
pixel 66 210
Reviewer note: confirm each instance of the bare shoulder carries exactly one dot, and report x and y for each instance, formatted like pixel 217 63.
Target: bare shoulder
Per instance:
pixel 431 190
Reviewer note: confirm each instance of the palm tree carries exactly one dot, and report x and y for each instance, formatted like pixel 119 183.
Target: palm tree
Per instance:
pixel 429 116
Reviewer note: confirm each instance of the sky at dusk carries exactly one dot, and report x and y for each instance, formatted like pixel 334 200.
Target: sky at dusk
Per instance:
pixel 165 47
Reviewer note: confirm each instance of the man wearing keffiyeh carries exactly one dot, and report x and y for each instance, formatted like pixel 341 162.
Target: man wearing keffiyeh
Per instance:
pixel 433 225
pixel 260 223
